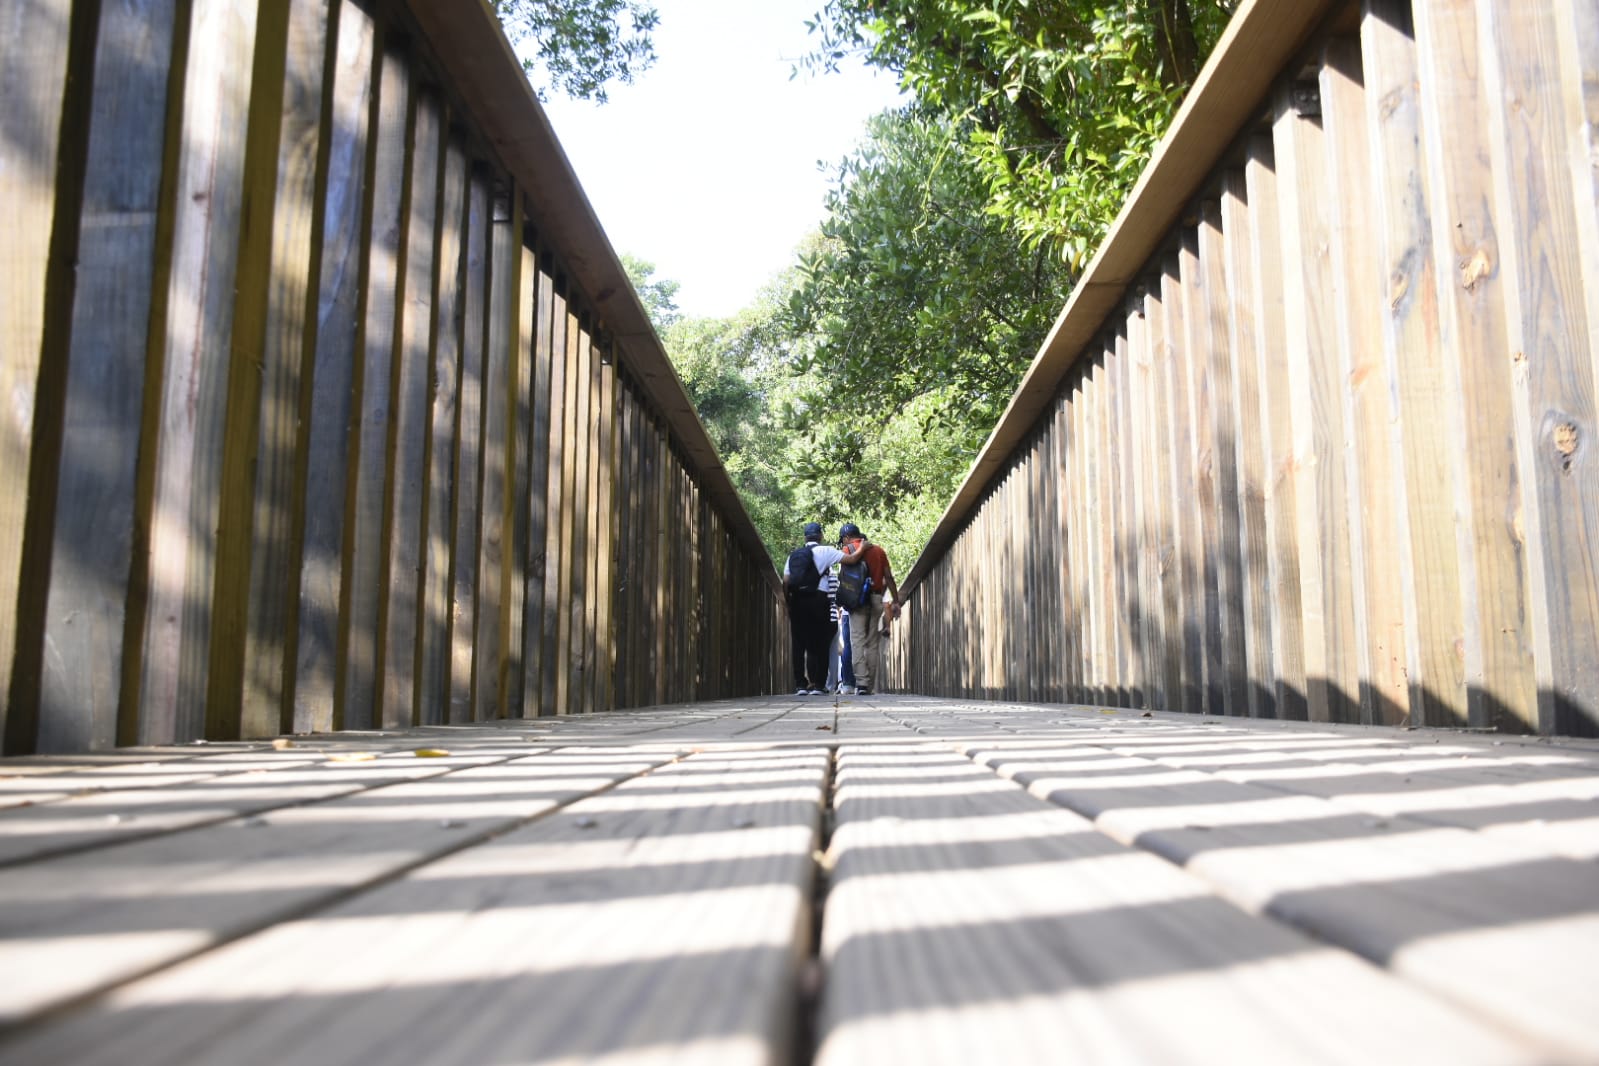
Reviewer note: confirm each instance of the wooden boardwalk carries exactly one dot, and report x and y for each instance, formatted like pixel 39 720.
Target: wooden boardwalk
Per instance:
pixel 874 880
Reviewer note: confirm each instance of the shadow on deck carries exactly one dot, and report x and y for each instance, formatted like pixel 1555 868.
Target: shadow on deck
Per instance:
pixel 889 879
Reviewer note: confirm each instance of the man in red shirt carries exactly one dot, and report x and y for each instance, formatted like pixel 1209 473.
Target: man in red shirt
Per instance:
pixel 869 622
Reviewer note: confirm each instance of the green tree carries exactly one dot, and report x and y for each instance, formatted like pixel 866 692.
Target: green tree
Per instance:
pixel 658 295
pixel 1062 100
pixel 915 292
pixel 579 46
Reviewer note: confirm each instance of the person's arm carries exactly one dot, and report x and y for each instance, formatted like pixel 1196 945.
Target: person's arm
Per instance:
pixel 893 587
pixel 858 554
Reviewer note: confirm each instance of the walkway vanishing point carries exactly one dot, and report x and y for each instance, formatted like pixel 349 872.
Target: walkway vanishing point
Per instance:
pixel 788 880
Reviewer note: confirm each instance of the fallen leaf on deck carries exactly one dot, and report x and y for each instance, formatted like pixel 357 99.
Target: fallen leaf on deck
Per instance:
pixel 826 727
pixel 431 753
pixel 282 743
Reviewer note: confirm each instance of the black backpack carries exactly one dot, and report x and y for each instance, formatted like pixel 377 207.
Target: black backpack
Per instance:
pixel 802 577
pixel 854 585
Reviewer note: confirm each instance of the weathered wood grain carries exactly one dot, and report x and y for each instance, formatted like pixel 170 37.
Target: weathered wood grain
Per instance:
pixel 1553 372
pixel 1319 440
pixel 361 681
pixel 968 920
pixel 551 655
pixel 274 329
pixel 1369 414
pixel 195 371
pixel 1288 680
pixel 435 667
pixel 1243 413
pixel 517 518
pixel 404 525
pixel 204 887
pixel 329 382
pixel 536 566
pixel 469 455
pixel 80 675
pixel 1499 669
pixel 705 864
pixel 1186 564
pixel 1300 849
pixel 34 52
pixel 499 396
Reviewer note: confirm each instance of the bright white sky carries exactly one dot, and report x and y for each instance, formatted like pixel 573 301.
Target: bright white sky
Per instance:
pixel 706 166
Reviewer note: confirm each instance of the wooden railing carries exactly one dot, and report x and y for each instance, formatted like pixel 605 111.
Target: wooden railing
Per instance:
pixel 1314 437
pixel 324 403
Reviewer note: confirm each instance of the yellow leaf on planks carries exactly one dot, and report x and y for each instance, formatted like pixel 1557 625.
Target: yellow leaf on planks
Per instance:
pixel 282 744
pixel 431 753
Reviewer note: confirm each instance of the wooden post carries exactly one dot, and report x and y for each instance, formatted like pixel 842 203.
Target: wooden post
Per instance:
pixel 1553 345
pixel 328 387
pixel 363 552
pixel 446 423
pixel 407 491
pixel 199 325
pixel 1321 491
pixel 1239 227
pixel 470 454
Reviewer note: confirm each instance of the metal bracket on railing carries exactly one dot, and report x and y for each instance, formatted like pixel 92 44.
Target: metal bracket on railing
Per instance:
pixel 1306 98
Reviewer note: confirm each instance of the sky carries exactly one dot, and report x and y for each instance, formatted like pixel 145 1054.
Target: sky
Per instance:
pixel 706 165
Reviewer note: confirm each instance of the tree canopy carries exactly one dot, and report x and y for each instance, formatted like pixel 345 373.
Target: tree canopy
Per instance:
pixel 578 47
pixel 1060 101
pixel 863 382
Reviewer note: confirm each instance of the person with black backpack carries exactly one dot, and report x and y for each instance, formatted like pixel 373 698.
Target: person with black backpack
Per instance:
pixel 807 582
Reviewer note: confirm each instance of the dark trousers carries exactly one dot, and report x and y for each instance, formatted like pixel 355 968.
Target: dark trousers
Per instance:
pixel 811 630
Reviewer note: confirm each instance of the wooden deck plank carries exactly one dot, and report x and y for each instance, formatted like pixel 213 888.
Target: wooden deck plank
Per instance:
pixel 256 905
pixel 114 913
pixel 969 922
pixel 1434 902
pixel 669 918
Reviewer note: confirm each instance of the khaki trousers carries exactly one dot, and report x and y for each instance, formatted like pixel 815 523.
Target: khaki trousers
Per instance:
pixel 866 642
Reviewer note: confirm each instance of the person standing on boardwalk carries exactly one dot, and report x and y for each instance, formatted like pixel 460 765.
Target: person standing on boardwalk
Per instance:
pixel 869 622
pixel 807 583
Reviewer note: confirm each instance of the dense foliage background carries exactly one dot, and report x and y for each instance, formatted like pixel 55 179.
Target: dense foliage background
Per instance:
pixel 862 382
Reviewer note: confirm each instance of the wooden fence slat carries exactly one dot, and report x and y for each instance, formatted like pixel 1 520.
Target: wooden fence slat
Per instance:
pixel 1221 432
pixel 405 526
pixel 552 687
pixel 1290 686
pixel 445 424
pixel 1194 271
pixel 1501 682
pixel 522 424
pixel 34 56
pixel 1415 364
pixel 469 454
pixel 85 623
pixel 200 305
pixel 606 514
pixel 1321 496
pixel 253 600
pixel 581 453
pixel 501 333
pixel 360 708
pixel 1239 226
pixel 1185 527
pixel 1553 377
pixel 1368 414
pixel 328 384
pixel 1163 544
pixel 562 603
pixel 533 662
